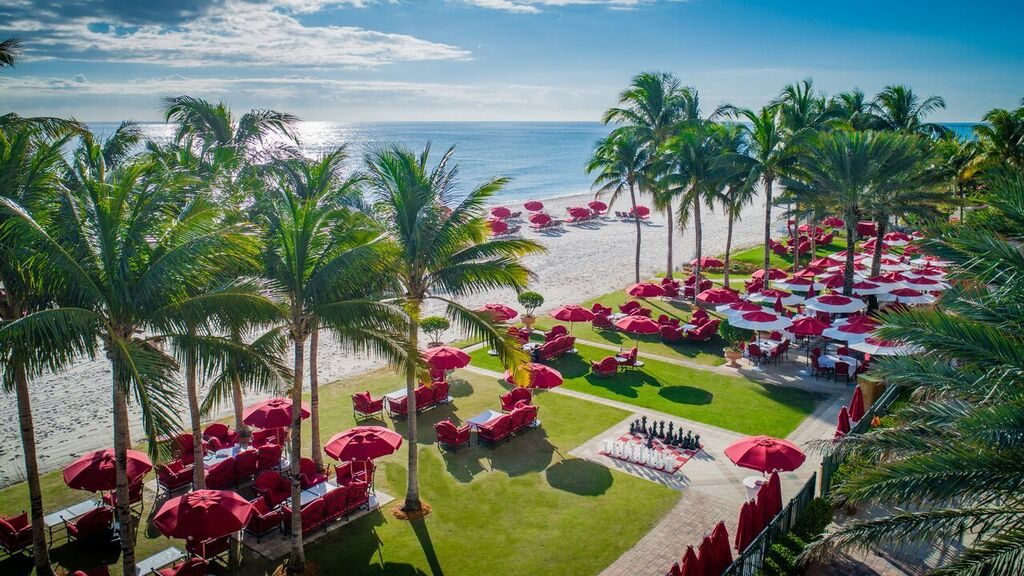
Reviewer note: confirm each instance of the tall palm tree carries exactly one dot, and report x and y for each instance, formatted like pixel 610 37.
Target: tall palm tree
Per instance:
pixel 736 194
pixel 30 169
pixel 622 164
pixel 442 252
pixel 653 106
pixel 948 462
pixel 9 50
pixel 899 109
pixel 324 260
pixel 1001 137
pixel 131 263
pixel 804 108
pixel 853 108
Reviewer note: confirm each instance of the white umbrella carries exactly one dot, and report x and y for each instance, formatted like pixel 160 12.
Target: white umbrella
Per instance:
pixel 835 304
pixel 798 285
pixel 763 321
pixel 879 347
pixel 850 331
pixel 907 296
pixel 739 308
pixel 933 273
pixel 925 284
pixel 892 266
pixel 867 288
pixel 930 261
pixel 770 296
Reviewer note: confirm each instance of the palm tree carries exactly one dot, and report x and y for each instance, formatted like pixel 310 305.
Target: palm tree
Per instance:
pixel 1001 137
pixel 30 168
pixel 804 108
pixel 849 171
pixel 899 109
pixel 736 194
pixel 622 164
pixel 653 106
pixel 131 263
pixel 323 259
pixel 948 461
pixel 854 108
pixel 9 50
pixel 442 252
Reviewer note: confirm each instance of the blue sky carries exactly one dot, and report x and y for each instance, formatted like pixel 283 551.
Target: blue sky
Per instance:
pixel 495 59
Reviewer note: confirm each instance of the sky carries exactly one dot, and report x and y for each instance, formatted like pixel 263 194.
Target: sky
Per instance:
pixel 550 60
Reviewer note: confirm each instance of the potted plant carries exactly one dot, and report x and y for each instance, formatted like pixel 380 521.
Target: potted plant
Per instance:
pixel 531 301
pixel 434 326
pixel 734 337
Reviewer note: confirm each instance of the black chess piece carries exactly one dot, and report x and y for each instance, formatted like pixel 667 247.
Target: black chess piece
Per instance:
pixel 643 424
pixel 632 428
pixel 696 441
pixel 688 442
pixel 670 435
pixel 661 429
pixel 650 442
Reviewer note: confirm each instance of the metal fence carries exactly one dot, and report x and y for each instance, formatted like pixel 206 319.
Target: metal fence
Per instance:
pixel 830 463
pixel 750 560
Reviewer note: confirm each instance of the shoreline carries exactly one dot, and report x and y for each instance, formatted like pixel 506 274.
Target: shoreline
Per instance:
pixel 71 410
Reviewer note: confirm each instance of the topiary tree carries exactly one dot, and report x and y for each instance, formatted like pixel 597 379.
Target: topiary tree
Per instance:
pixel 531 301
pixel 733 335
pixel 434 326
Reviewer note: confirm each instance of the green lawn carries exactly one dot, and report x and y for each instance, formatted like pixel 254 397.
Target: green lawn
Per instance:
pixel 729 402
pixel 494 509
pixel 754 257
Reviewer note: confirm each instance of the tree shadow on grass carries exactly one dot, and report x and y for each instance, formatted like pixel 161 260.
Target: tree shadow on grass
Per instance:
pixel 85 554
pixel 525 453
pixel 462 464
pixel 579 476
pixel 459 388
pixel 690 395
pixel 362 547
pixel 423 536
pixel 625 384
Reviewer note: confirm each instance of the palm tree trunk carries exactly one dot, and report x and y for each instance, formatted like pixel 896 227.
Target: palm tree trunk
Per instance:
pixel 876 258
pixel 796 242
pixel 636 219
pixel 198 471
pixel 40 551
pixel 851 222
pixel 728 247
pixel 699 233
pixel 767 228
pixel 121 444
pixel 297 558
pixel 412 493
pixel 314 399
pixel 813 233
pixel 668 263
pixel 238 401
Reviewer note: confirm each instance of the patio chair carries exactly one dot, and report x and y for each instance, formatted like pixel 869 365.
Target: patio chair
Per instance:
pixel 513 397
pixel 172 477
pixel 602 322
pixel 670 335
pixel 189 567
pixel 705 332
pixel 222 475
pixel 15 533
pixel 273 487
pixel 699 318
pixel 134 495
pixel 334 504
pixel 267 436
pixel 629 358
pixel 818 369
pixel 521 336
pixel 495 431
pixel 556 331
pixel 221 432
pixel 629 307
pixel 94 523
pixel 364 406
pixel 183 448
pixel 398 407
pixel 841 368
pixel 263 520
pixel 597 308
pixel 210 549
pixel 671 290
pixel 755 353
pixel 269 457
pixel 775 335
pixel 358 496
pixel 308 474
pixel 608 366
pixel 312 516
pixel 246 465
pixel 100 570
pixel 450 435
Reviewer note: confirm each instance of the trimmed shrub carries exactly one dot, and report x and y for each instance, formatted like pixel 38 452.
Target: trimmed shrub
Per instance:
pixel 434 326
pixel 531 301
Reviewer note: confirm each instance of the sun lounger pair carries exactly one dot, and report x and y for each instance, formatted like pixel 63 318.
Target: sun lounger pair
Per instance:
pixel 507 232
pixel 547 225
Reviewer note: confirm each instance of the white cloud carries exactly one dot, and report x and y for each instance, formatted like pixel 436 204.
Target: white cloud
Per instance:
pixel 535 6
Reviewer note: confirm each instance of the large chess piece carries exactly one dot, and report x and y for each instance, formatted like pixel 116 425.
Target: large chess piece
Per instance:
pixel 696 441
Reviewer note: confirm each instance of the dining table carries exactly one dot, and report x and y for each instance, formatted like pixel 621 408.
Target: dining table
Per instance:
pixel 829 361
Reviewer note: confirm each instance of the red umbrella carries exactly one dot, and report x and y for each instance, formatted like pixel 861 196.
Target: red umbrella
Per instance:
pixel 539 218
pixel 674 570
pixel 820 262
pixel 708 262
pixel 763 506
pixel 843 426
pixel 741 307
pixel 272 413
pixel 691 564
pixel 95 471
pixel 706 556
pixel 500 212
pixel 778 307
pixel 543 377
pixel 497 226
pixel 774 495
pixel 745 528
pixel 811 271
pixel 638 325
pixel 764 454
pixel 498 312
pixel 723 552
pixel 572 313
pixel 534 206
pixel 641 210
pixel 718 296
pixel 363 443
pixel 808 326
pixel 833 222
pixel 931 272
pixel 773 274
pixel 645 290
pixel 203 514
pixel 857 405
pixel 832 281
pixel 446 358
pixel 598 206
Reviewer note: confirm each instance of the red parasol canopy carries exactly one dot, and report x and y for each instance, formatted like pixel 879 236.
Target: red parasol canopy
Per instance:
pixel 641 210
pixel 446 358
pixel 832 281
pixel 718 296
pixel 645 290
pixel 857 405
pixel 761 320
pixel 706 556
pixel 363 443
pixel 773 274
pixel 925 284
pixel 808 326
pixel 498 312
pixel 691 564
pixel 764 454
pixel 543 377
pixel 95 471
pixel 539 218
pixel 272 413
pixel 572 313
pixel 708 262
pixel 497 226
pixel 843 424
pixel 597 206
pixel 811 271
pixel 820 262
pixel 745 528
pixel 500 212
pixel 723 552
pixel 203 514
pixel 579 211
pixel 534 206
pixel 638 325
pixel 833 222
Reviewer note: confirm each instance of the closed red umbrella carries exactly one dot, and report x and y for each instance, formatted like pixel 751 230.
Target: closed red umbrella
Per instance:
pixel 708 262
pixel 674 570
pixel 778 307
pixel 446 358
pixel 500 212
pixel 843 425
pixel 203 515
pixel 764 454
pixel 96 471
pixel 773 497
pixel 498 312
pixel 645 290
pixel 745 528
pixel 762 505
pixel 718 296
pixel 534 206
pixel 272 413
pixel 691 564
pixel 572 313
pixel 723 552
pixel 857 405
pixel 706 557
pixel 363 443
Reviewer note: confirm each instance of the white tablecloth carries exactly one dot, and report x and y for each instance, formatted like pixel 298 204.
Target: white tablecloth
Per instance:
pixel 829 361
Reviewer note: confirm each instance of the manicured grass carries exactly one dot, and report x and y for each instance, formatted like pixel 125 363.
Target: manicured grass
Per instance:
pixel 754 257
pixel 729 402
pixel 493 508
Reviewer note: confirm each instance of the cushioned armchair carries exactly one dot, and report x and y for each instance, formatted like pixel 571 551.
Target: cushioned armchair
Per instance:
pixel 334 503
pixel 609 366
pixel 183 445
pixel 448 434
pixel 514 396
pixel 246 465
pixel 222 475
pixel 364 406
pixel 15 533
pixel 669 334
pixel 264 519
pixel 173 476
pixel 221 432
pixel 399 407
pixel 308 475
pixel 209 549
pixel 602 322
pixel 496 430
pixel 93 523
pixel 134 495
pixel 274 487
pixel 312 515
pixel 190 567
pixel 268 457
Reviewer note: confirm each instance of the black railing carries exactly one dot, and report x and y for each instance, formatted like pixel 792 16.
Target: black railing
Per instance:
pixel 831 462
pixel 750 560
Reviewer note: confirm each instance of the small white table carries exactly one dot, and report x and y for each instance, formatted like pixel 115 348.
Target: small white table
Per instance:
pixel 314 492
pixel 396 394
pixel 158 561
pixel 57 519
pixel 753 484
pixel 214 458
pixel 531 346
pixel 688 327
pixel 829 361
pixel 482 418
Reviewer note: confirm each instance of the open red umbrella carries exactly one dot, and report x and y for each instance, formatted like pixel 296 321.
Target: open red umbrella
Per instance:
pixel 708 262
pixel 446 358
pixel 773 274
pixel 598 206
pixel 645 290
pixel 745 528
pixel 638 325
pixel 706 556
pixel 497 226
pixel 539 218
pixel 500 212
pixel 203 515
pixel 534 206
pixel 718 296
pixel 851 331
pixel 843 425
pixel 808 326
pixel 641 211
pixel 572 313
pixel 272 413
pixel 543 377
pixel 498 312
pixel 691 564
pixel 764 454
pixel 95 471
pixel 833 222
pixel 857 405
pixel 363 443
pixel 723 552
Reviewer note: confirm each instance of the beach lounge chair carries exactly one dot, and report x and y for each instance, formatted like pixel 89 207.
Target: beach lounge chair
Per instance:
pixel 92 524
pixel 15 533
pixel 364 406
pixel 189 567
pixel 264 520
pixel 608 366
pixel 450 435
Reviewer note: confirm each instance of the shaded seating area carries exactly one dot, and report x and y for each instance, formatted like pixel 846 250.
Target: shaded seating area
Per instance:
pixel 272 487
pixel 557 347
pixel 705 332
pixel 189 567
pixel 209 550
pixel 364 406
pixel 427 397
pixel 602 322
pixel 505 426
pixel 451 436
pixel 265 519
pixel 15 533
pixel 336 503
pixel 134 496
pixel 556 331
pixel 510 399
pixel 628 359
pixel 218 435
pixel 308 474
pixel 91 525
pixel 608 366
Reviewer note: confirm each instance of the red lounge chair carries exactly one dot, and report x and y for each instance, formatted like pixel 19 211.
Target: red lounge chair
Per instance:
pixel 209 549
pixel 134 495
pixel 221 432
pixel 308 476
pixel 312 515
pixel 602 322
pixel 364 406
pixel 496 430
pixel 246 465
pixel 399 407
pixel 334 503
pixel 15 533
pixel 93 523
pixel 273 487
pixel 221 476
pixel 268 436
pixel 705 332
pixel 190 567
pixel 513 397
pixel 556 331
pixel 609 366
pixel 670 335
pixel 448 434
pixel 629 307
pixel 173 477
pixel 629 357
pixel 183 445
pixel 264 519
pixel 268 457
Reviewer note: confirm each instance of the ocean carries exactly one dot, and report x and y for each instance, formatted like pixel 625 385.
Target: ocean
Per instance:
pixel 541 159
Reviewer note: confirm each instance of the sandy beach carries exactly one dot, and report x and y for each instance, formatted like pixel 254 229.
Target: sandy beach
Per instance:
pixel 72 409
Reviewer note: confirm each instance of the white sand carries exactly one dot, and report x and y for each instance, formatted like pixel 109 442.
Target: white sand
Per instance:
pixel 72 409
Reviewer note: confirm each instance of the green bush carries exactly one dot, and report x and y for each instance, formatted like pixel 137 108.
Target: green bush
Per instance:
pixel 531 301
pixel 434 326
pixel 733 335
pixel 813 520
pixel 782 558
